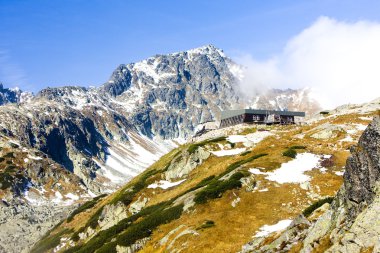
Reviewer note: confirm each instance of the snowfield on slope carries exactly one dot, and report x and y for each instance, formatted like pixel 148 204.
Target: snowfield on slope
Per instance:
pixel 293 171
pixel 163 184
pixel 235 151
pixel 268 229
pixel 249 139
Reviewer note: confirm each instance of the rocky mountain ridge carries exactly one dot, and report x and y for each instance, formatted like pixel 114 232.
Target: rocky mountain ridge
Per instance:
pixel 143 106
pixel 14 95
pixel 105 136
pixel 219 189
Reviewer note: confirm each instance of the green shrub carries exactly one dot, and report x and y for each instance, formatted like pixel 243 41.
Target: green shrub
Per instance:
pixel 232 144
pixel 93 221
pixel 106 235
pixel 297 147
pixel 191 149
pixel 145 227
pixel 308 211
pixel 14 145
pixel 237 164
pixel 49 242
pixel 245 153
pixel 126 197
pixel 11 168
pixel 207 224
pixel 75 236
pixel 5 181
pixel 216 188
pixel 108 248
pixel 73 249
pixel 290 153
pixel 89 204
pixel 9 155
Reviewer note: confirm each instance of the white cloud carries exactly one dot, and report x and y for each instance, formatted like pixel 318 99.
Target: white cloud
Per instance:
pixel 339 61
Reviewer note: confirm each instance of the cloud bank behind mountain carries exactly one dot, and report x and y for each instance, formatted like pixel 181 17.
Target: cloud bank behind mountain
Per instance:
pixel 339 61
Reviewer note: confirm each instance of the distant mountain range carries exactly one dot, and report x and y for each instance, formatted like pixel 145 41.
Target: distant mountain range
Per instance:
pixel 106 133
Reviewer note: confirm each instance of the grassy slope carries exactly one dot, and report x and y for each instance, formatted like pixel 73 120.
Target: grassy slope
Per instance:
pixel 234 226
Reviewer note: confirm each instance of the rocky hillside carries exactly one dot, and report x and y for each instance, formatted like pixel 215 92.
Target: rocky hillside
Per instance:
pixel 214 194
pixel 104 135
pixel 13 95
pixel 350 223
pixel 93 140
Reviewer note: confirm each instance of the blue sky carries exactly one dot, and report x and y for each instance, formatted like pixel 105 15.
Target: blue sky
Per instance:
pixel 80 42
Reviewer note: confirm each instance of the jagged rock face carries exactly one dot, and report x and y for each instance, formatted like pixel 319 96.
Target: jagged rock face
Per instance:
pixel 363 167
pixel 351 224
pixel 169 95
pixel 22 225
pixel 164 97
pixel 185 163
pixel 13 95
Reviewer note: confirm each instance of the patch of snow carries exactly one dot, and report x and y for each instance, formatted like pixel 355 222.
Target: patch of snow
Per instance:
pixel 71 196
pixel 293 171
pixel 26 160
pixel 351 131
pixel 35 157
pixel 164 184
pixel 228 152
pixel 249 139
pixel 339 173
pixel 256 171
pixel 264 190
pixel 361 127
pixel 348 138
pixel 366 118
pixel 58 197
pixel 237 138
pixel 268 229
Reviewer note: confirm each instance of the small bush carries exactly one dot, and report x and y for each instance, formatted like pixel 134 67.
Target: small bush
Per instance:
pixel 108 248
pixel 327 163
pixel 232 144
pixel 145 227
pixel 308 211
pixel 93 221
pixel 207 224
pixel 237 164
pixel 290 153
pixel 191 149
pixel 216 188
pixel 89 204
pixel 5 181
pixel 297 147
pixel 127 197
pixel 75 236
pixel 2 159
pixel 14 145
pixel 245 153
pixel 9 155
pixel 106 235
